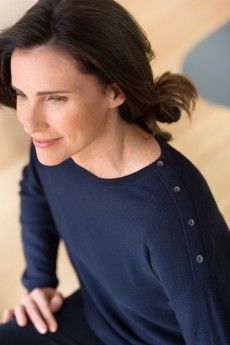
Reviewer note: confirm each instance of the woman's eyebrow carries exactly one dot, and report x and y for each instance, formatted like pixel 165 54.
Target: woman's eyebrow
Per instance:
pixel 43 92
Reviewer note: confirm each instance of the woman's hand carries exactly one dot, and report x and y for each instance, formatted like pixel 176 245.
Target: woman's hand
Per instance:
pixel 38 305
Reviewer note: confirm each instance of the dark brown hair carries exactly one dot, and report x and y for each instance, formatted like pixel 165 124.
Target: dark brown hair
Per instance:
pixel 106 41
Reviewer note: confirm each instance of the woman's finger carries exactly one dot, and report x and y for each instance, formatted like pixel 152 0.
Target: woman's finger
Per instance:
pixel 34 314
pixel 7 315
pixel 20 315
pixel 45 310
pixel 56 302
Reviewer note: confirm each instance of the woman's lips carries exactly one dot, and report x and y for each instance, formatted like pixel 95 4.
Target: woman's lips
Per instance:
pixel 45 143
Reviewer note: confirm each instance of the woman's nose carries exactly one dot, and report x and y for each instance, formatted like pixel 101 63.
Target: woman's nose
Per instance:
pixel 33 122
pixel 32 128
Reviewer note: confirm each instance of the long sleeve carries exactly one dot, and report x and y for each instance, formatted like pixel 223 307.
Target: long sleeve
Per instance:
pixel 190 256
pixel 39 236
pixel 203 313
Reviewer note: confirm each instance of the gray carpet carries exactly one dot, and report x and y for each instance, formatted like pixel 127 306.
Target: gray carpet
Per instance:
pixel 208 66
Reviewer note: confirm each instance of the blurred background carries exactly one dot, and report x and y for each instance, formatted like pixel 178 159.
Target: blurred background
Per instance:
pixel 188 36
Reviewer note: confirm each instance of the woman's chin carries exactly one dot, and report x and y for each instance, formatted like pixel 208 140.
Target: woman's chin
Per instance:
pixel 50 159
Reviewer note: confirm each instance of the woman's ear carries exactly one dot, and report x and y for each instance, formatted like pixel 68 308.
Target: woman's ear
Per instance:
pixel 117 96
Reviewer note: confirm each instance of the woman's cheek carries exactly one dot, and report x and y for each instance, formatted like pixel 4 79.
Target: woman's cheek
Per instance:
pixel 21 113
pixel 64 122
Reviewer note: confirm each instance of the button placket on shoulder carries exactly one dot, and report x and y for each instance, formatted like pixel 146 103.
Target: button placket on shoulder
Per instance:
pixel 191 222
pixel 188 217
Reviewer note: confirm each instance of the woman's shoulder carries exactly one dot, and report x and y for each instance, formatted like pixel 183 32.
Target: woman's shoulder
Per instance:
pixel 190 235
pixel 189 188
pixel 179 170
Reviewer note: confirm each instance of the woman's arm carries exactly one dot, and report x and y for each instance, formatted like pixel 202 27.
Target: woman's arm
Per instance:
pixel 40 238
pixel 190 255
pixel 203 313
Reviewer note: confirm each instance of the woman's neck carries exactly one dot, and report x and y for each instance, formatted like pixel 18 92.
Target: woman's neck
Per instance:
pixel 122 150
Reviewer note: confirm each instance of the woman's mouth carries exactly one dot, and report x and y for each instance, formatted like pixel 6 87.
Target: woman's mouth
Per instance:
pixel 45 143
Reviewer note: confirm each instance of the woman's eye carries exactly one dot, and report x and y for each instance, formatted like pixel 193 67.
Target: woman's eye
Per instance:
pixel 19 95
pixel 58 99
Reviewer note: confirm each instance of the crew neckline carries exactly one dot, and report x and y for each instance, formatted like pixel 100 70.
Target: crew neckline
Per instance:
pixel 126 179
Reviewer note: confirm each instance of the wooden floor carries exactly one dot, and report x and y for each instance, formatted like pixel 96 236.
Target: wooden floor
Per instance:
pixel 173 27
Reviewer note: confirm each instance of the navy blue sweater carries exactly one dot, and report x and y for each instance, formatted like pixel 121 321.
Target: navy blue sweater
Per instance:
pixel 151 249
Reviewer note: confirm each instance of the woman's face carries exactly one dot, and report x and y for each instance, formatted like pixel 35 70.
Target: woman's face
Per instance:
pixel 76 116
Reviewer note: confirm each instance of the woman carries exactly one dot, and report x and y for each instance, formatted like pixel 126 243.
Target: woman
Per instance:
pixel 139 222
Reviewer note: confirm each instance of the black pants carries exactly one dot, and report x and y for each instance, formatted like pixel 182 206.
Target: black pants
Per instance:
pixel 72 328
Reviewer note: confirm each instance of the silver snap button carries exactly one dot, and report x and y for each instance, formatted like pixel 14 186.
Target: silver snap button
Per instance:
pixel 160 163
pixel 191 222
pixel 199 259
pixel 176 189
